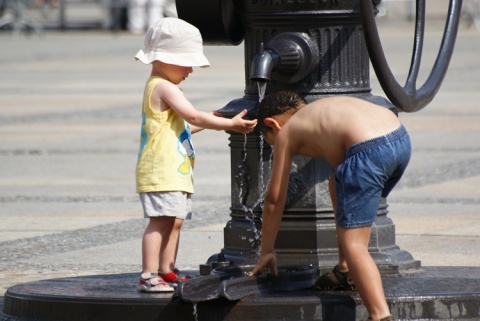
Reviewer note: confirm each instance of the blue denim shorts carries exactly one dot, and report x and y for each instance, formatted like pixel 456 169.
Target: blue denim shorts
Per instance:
pixel 370 171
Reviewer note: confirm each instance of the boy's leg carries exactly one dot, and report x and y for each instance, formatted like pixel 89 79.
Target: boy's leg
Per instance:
pixel 154 241
pixel 342 263
pixel 169 250
pixel 364 271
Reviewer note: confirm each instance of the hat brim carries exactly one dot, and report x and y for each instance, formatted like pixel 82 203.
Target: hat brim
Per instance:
pixel 185 59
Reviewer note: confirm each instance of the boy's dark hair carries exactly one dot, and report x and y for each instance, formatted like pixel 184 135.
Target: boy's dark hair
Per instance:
pixel 277 103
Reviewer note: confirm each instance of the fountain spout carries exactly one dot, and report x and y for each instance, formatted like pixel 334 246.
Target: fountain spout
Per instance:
pixel 264 61
pixel 287 58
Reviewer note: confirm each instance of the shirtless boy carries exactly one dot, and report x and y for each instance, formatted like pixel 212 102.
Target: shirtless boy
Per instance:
pixel 367 147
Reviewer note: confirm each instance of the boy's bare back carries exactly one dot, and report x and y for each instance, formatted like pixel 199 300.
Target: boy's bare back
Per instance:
pixel 327 127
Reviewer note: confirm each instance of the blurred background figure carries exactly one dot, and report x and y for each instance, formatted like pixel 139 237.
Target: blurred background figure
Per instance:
pixel 3 6
pixel 47 2
pixel 115 15
pixel 143 13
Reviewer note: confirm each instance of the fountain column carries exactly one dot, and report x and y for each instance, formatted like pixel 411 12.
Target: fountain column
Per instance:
pixel 320 51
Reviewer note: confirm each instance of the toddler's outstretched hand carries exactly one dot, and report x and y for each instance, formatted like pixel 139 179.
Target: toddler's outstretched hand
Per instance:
pixel 242 125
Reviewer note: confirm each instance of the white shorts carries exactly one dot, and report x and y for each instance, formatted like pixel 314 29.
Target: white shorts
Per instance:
pixel 174 204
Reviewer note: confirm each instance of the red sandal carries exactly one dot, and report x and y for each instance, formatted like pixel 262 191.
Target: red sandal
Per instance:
pixel 173 278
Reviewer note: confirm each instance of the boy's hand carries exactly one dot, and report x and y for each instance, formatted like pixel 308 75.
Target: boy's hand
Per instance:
pixel 265 261
pixel 242 125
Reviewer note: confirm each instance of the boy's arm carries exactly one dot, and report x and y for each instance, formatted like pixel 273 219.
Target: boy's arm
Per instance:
pixel 171 95
pixel 274 204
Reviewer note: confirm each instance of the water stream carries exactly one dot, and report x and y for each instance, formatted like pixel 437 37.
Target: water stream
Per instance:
pixel 249 211
pixel 242 171
pixel 195 311
pixel 262 88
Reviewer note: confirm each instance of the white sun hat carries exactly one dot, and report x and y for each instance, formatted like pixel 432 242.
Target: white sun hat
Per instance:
pixel 173 41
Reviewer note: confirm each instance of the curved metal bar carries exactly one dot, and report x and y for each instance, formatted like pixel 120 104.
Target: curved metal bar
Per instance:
pixel 408 98
pixel 417 48
pixel 434 80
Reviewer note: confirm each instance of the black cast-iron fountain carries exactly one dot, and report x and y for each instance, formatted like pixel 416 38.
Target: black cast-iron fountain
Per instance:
pixel 319 48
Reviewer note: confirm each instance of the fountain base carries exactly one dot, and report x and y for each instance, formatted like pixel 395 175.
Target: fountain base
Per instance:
pixel 433 293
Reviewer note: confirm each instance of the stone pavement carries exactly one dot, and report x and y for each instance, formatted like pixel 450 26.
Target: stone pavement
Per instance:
pixel 69 129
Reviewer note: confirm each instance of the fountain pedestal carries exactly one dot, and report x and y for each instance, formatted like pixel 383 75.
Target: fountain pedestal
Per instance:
pixel 433 293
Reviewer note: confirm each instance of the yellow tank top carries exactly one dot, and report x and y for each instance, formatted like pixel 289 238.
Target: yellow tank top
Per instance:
pixel 166 156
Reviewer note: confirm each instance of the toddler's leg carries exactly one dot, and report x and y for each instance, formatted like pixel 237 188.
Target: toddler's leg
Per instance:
pixel 168 253
pixel 364 271
pixel 155 239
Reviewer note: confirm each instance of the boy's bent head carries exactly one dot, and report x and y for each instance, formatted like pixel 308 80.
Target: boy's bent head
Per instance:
pixel 277 103
pixel 173 41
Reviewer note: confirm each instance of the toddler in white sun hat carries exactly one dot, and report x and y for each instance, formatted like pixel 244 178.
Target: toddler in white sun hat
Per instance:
pixel 164 171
